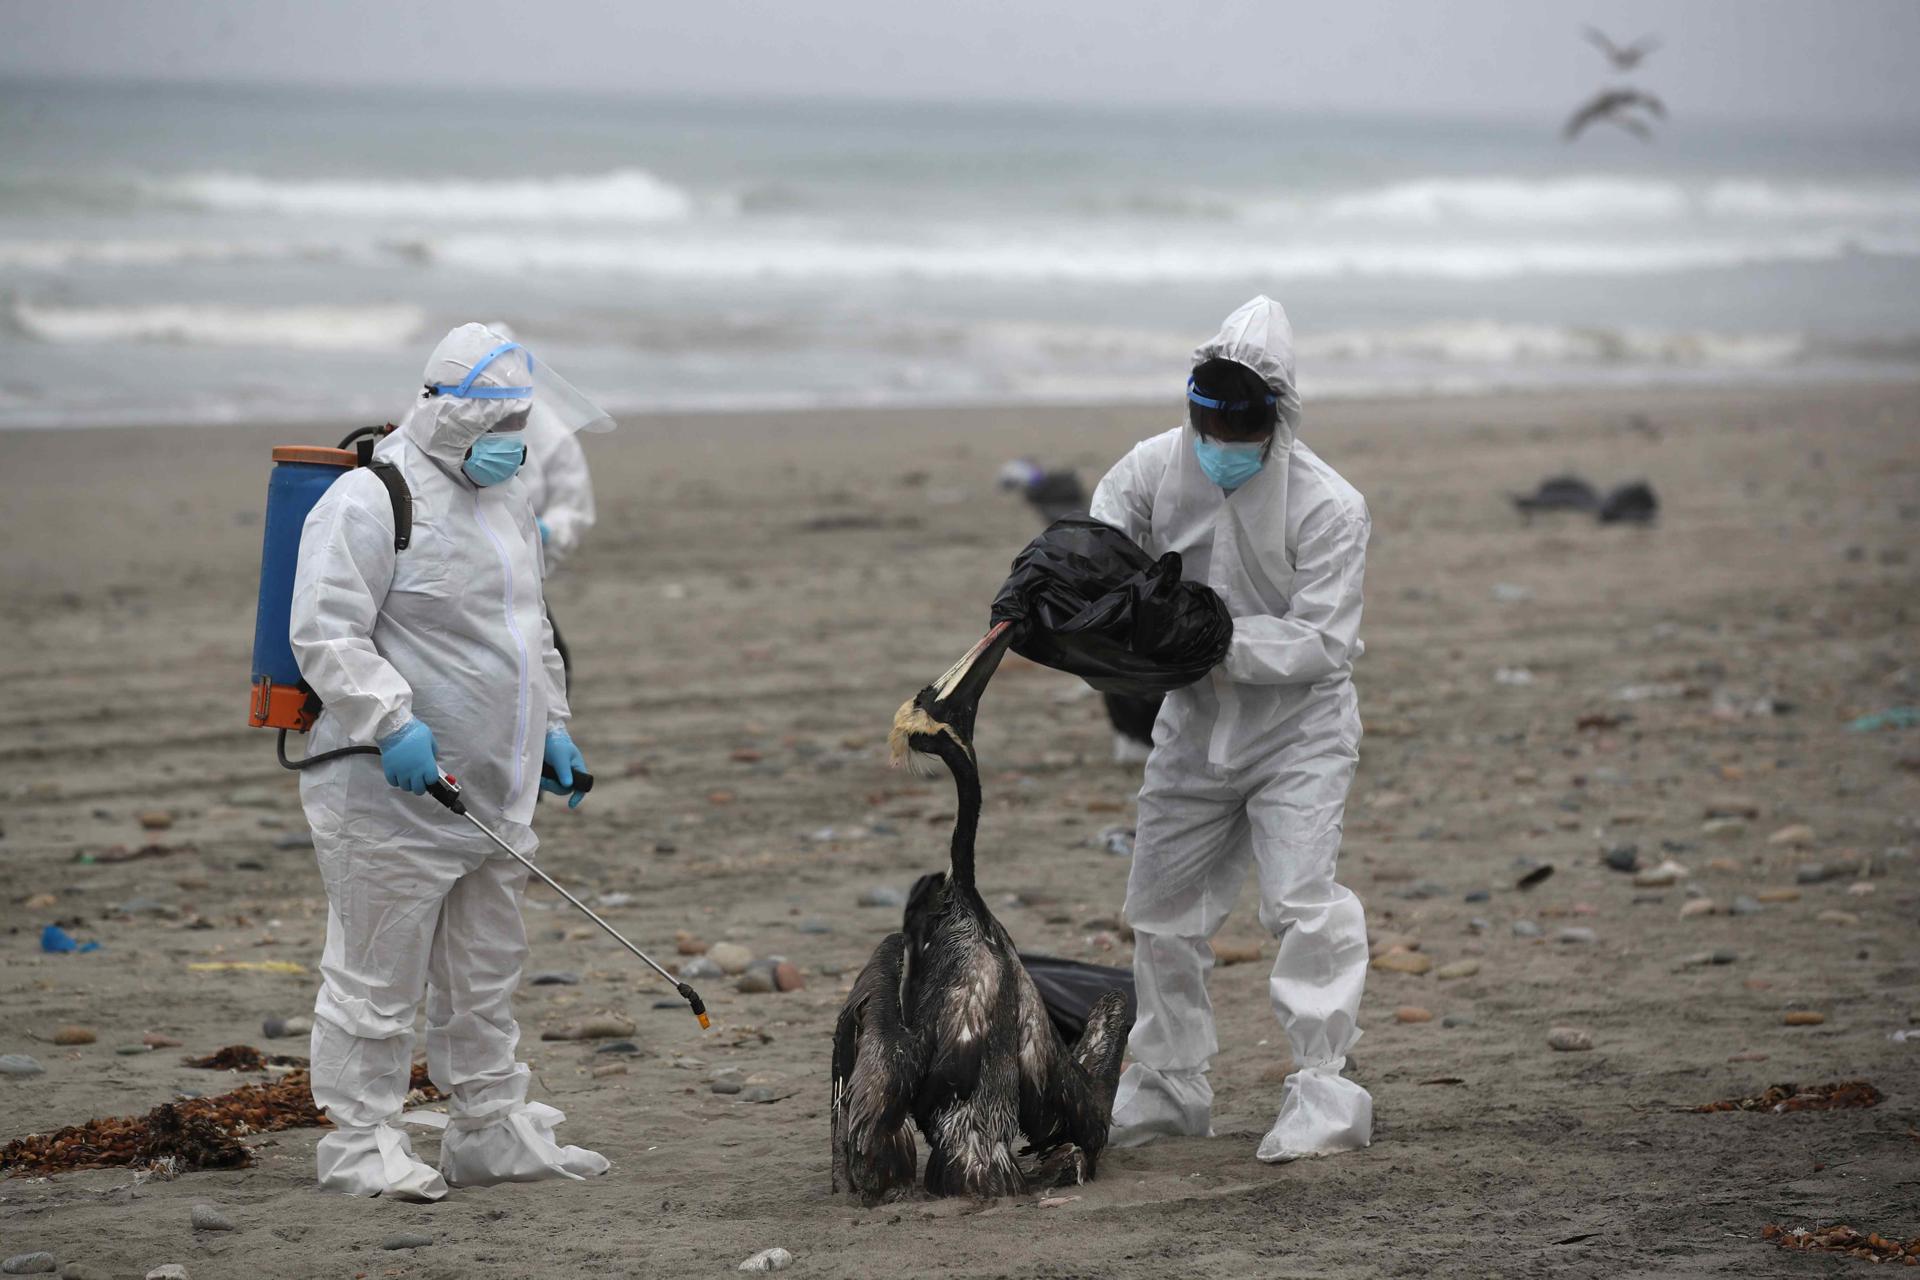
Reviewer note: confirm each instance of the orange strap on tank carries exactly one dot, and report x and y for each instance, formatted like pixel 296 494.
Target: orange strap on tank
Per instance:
pixel 279 706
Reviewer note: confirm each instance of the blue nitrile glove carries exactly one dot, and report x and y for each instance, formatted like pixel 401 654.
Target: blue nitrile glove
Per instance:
pixel 407 756
pixel 565 758
pixel 544 531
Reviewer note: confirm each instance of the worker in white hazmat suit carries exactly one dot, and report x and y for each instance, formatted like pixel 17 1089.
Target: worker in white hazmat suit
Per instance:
pixel 1252 764
pixel 440 655
pixel 558 483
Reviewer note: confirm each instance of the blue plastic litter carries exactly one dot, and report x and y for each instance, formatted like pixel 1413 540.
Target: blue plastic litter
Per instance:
pixel 55 939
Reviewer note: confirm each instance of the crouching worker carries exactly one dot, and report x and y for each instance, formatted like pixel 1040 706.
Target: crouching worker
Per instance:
pixel 440 654
pixel 1251 766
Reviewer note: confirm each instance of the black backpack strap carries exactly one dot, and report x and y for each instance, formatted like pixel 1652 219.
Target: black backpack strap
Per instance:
pixel 397 492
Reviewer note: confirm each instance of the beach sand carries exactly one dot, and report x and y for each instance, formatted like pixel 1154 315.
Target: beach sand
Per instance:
pixel 761 593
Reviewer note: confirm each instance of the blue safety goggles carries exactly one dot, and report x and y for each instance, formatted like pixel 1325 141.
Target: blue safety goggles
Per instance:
pixel 465 390
pixel 1230 405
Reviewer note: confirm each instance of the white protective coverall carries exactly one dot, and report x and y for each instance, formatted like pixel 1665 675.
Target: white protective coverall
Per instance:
pixel 558 483
pixel 1250 765
pixel 451 631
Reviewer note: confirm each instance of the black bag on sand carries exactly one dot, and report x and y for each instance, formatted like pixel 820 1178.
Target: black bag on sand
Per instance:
pixel 1069 988
pixel 1087 600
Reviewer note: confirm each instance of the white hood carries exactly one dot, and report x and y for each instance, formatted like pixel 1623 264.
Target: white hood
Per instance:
pixel 446 426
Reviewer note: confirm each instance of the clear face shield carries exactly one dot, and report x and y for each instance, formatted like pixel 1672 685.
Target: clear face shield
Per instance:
pixel 554 399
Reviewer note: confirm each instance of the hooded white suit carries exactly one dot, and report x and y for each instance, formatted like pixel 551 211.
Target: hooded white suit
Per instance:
pixel 1251 765
pixel 452 632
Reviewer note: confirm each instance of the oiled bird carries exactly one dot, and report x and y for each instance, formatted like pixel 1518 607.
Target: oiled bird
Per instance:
pixel 1616 107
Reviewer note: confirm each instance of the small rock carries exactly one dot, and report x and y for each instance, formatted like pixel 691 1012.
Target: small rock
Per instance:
pixel 1778 895
pixel 1803 1018
pixel 207 1218
pixel 1055 1202
pixel 1576 935
pixel 756 981
pixel 156 820
pixel 1412 1013
pixel 80 1271
pixel 1725 866
pixel 609 1069
pixel 1457 969
pixel 1622 857
pixel 1226 953
pixel 814 926
pixel 625 1047
pixel 1728 829
pixel 1478 895
pixel 1724 955
pixel 168 1271
pixel 700 967
pixel 1842 918
pixel 288 840
pixel 74 1035
pixel 1479 924
pixel 1811 873
pixel 730 956
pixel 727 1085
pixel 1397 961
pixel 1526 929
pixel 688 945
pixel 1861 889
pixel 555 978
pixel 761 1093
pixel 19 1064
pixel 28 1264
pixel 407 1240
pixel 1668 872
pixel 1570 1039
pixel 280 1028
pixel 1743 905
pixel 1798 835
pixel 768 1260
pixel 1747 1055
pixel 787 977
pixel 1698 907
pixel 883 896
pixel 39 902
pixel 604 1026
pixel 133 1050
pixel 1457 1020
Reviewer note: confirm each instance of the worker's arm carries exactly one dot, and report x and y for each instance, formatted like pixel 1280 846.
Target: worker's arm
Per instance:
pixel 558 712
pixel 1124 498
pixel 1320 632
pixel 567 503
pixel 344 572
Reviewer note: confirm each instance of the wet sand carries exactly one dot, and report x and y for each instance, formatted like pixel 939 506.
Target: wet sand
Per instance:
pixel 763 590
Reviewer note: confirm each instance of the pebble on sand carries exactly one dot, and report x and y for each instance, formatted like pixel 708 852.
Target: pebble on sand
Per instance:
pixel 1412 1013
pixel 883 896
pixel 1668 872
pixel 74 1035
pixel 1743 905
pixel 1724 829
pixel 19 1064
pixel 609 1069
pixel 730 956
pixel 280 1028
pixel 1861 889
pixel 1526 929
pixel 768 1260
pixel 1842 918
pixel 407 1240
pixel 555 978
pixel 787 977
pixel 28 1264
pixel 700 967
pixel 1399 961
pixel 1803 1018
pixel 757 981
pixel 1458 969
pixel 688 945
pixel 1570 1039
pixel 1575 935
pixel 601 1027
pixel 156 820
pixel 1778 895
pixel 159 1040
pixel 1799 834
pixel 1699 907
pixel 206 1217
pixel 168 1271
pixel 1747 1055
pixel 726 1085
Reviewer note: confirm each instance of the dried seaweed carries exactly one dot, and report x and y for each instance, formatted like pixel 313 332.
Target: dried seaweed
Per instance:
pixel 243 1057
pixel 1869 1246
pixel 1782 1098
pixel 194 1133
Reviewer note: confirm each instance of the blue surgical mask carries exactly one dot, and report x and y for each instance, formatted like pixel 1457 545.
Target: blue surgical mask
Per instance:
pixel 493 459
pixel 1229 465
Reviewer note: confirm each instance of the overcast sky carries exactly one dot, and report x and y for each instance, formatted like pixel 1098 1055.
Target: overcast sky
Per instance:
pixel 1761 59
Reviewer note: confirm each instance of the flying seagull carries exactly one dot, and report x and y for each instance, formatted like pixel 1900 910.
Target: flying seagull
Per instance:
pixel 1622 59
pixel 1614 106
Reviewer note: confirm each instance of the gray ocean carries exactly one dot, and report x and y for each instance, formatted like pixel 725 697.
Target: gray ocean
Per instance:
pixel 226 254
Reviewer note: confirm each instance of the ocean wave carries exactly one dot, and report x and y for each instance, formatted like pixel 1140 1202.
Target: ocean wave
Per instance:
pixel 313 328
pixel 1128 261
pixel 65 255
pixel 621 196
pixel 1489 342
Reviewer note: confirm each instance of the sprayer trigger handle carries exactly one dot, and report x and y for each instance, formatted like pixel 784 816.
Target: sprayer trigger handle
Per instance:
pixel 447 792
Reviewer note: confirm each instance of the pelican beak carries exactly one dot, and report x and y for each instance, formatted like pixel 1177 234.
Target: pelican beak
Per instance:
pixel 947 706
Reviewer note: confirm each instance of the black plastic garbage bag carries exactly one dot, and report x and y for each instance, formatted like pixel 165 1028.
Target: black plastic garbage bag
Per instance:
pixel 1069 988
pixel 1087 600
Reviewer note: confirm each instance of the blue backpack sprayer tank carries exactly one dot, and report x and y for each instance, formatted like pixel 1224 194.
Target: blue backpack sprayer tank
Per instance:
pixel 282 699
